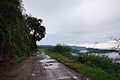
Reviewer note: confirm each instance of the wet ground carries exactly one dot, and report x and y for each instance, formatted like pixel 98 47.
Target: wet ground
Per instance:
pixel 41 67
pixel 28 69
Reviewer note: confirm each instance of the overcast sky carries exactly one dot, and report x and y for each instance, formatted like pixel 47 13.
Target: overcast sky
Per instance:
pixel 76 21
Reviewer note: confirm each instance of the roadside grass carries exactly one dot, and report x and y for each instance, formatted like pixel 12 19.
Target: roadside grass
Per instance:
pixel 18 58
pixel 96 73
pixel 57 55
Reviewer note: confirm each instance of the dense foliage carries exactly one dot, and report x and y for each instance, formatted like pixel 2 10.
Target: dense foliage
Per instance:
pixel 36 30
pixel 62 48
pixel 15 37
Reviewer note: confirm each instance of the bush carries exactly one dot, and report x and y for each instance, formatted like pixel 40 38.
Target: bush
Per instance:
pixel 103 62
pixel 62 48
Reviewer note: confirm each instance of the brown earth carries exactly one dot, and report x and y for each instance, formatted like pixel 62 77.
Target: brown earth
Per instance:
pixel 25 70
pixel 36 68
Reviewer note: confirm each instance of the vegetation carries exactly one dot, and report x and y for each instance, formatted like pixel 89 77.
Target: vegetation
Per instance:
pixel 100 68
pixel 103 62
pixel 16 42
pixel 62 48
pixel 36 30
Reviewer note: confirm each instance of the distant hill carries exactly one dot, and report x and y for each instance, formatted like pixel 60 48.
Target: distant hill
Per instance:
pixel 94 50
pixel 79 49
pixel 45 46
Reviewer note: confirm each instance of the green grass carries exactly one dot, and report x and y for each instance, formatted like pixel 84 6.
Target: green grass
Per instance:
pixel 57 56
pixel 97 73
pixel 18 58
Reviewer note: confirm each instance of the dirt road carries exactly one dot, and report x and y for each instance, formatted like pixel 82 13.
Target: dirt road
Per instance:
pixel 58 71
pixel 41 67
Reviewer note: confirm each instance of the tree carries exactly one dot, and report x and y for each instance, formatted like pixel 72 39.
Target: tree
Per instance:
pixel 14 38
pixel 62 48
pixel 95 44
pixel 117 47
pixel 36 30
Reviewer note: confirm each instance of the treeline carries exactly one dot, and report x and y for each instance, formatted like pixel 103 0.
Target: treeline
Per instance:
pixel 18 32
pixel 100 50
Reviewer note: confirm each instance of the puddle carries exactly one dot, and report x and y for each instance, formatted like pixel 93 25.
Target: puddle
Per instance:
pixel 38 55
pixel 64 77
pixel 75 77
pixel 52 66
pixel 46 60
pixel 52 62
pixel 44 56
pixel 33 74
pixel 49 63
pixel 87 79
pixel 38 52
pixel 48 56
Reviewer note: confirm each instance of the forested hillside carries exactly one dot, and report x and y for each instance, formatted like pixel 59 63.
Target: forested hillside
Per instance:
pixel 16 39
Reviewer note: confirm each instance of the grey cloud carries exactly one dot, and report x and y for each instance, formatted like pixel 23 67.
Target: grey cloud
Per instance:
pixel 78 21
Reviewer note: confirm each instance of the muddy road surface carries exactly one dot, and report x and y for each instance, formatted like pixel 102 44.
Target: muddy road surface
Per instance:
pixel 41 67
pixel 57 71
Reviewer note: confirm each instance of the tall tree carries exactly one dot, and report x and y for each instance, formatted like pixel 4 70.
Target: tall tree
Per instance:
pixel 36 30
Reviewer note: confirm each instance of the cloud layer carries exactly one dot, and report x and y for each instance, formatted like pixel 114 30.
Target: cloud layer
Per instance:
pixel 78 21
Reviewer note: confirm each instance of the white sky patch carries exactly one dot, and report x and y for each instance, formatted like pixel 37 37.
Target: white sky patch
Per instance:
pixel 98 11
pixel 104 45
pixel 76 22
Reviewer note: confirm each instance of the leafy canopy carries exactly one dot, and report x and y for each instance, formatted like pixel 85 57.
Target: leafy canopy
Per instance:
pixel 36 30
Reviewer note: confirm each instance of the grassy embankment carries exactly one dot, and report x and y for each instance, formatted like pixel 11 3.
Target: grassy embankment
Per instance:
pixel 21 57
pixel 96 73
